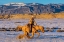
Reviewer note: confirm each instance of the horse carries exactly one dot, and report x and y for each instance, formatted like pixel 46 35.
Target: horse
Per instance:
pixel 37 27
pixel 26 30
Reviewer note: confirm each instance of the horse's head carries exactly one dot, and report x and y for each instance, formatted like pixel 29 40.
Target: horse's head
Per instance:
pixel 42 29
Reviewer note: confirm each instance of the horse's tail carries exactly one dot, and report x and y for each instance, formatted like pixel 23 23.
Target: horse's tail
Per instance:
pixel 18 28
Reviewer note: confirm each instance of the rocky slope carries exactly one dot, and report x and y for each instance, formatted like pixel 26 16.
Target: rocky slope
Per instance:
pixel 30 8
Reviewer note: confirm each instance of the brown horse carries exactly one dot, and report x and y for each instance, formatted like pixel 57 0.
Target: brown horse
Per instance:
pixel 37 27
pixel 26 31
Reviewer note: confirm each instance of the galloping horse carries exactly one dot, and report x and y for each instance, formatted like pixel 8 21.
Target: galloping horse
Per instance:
pixel 26 31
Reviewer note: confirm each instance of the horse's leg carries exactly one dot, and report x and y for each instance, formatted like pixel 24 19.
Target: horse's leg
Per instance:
pixel 32 35
pixel 20 36
pixel 38 34
pixel 26 34
pixel 33 31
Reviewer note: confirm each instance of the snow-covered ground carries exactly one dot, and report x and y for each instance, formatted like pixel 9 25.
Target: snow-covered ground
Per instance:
pixel 59 23
pixel 9 36
pixel 44 37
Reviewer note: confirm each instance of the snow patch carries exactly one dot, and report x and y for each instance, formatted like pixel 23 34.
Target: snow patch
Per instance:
pixel 15 4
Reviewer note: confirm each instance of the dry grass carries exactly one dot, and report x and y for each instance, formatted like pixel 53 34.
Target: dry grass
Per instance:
pixel 41 16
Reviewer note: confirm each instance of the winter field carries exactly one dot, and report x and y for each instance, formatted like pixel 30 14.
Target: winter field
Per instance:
pixel 10 36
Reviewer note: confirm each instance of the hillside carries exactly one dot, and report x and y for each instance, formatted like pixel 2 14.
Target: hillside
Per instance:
pixel 30 8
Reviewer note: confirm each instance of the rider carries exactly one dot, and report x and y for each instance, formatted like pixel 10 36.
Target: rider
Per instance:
pixel 32 23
